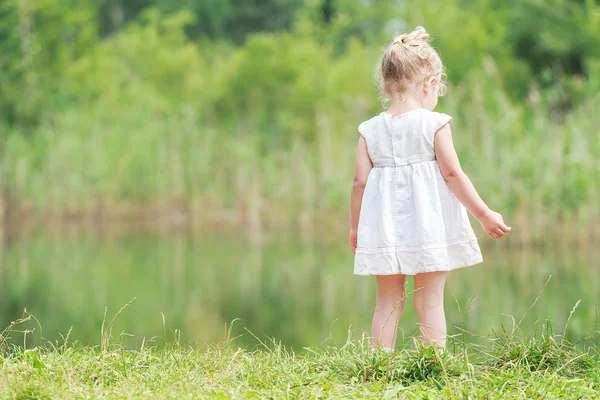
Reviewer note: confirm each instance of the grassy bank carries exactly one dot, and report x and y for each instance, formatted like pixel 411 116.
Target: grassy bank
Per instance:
pixel 541 366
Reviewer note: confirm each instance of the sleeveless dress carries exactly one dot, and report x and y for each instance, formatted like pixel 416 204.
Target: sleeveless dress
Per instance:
pixel 410 222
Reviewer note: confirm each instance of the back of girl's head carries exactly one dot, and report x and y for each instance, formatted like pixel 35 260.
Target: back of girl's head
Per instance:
pixel 407 62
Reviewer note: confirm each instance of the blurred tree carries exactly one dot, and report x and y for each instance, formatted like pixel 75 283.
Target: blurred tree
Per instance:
pixel 339 21
pixel 112 14
pixel 559 40
pixel 38 40
pixel 216 19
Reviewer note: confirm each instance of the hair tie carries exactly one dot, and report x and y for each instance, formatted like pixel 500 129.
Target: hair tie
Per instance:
pixel 401 40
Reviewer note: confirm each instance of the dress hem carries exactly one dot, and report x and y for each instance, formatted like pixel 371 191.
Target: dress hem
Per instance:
pixel 431 268
pixel 428 246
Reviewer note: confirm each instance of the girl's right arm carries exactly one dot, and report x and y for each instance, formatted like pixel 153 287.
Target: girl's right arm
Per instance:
pixel 362 169
pixel 461 186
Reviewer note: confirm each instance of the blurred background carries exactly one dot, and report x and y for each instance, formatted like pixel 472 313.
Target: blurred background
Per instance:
pixel 197 155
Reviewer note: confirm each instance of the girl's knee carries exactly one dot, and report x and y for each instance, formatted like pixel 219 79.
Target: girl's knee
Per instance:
pixel 391 299
pixel 429 290
pixel 391 287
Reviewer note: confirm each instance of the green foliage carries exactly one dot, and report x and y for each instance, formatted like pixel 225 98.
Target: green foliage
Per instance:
pixel 216 19
pixel 97 117
pixel 38 41
pixel 559 44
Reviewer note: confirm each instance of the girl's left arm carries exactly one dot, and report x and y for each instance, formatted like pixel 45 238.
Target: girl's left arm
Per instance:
pixel 361 173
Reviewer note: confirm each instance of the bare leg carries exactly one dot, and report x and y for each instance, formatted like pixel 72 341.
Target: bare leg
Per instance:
pixel 429 303
pixel 389 307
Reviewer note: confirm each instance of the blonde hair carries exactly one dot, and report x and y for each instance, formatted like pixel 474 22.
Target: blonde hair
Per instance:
pixel 407 62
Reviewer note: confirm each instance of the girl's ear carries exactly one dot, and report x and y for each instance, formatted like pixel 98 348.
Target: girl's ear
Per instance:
pixel 428 84
pixel 431 81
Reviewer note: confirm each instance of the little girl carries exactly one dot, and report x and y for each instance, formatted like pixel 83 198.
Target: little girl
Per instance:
pixel 406 211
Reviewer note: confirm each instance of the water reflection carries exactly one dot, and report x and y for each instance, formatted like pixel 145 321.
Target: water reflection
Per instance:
pixel 299 293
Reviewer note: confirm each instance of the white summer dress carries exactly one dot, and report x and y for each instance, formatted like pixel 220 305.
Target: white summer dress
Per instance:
pixel 410 222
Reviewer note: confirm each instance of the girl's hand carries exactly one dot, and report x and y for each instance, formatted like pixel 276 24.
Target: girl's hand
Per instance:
pixel 493 224
pixel 353 236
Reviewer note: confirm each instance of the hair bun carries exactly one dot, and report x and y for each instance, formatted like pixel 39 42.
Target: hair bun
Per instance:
pixel 416 38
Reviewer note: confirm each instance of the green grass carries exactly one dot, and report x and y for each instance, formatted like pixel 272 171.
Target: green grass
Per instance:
pixel 507 366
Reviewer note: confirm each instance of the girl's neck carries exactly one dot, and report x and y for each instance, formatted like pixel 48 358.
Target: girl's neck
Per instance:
pixel 401 106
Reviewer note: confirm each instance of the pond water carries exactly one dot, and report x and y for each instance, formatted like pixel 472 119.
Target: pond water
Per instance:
pixel 300 294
